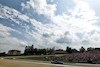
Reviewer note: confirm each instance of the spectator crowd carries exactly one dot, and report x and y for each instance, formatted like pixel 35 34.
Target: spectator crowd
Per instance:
pixel 90 56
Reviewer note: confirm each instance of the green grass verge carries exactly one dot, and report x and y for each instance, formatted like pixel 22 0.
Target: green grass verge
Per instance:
pixel 31 59
pixel 33 56
pixel 49 61
pixel 45 60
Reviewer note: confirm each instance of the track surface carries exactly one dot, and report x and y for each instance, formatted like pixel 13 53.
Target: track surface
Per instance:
pixel 24 63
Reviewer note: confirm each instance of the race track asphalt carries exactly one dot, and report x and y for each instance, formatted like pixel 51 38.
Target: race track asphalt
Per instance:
pixel 25 63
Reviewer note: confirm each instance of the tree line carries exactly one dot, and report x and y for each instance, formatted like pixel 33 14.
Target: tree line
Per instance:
pixel 36 51
pixel 81 50
pixel 50 51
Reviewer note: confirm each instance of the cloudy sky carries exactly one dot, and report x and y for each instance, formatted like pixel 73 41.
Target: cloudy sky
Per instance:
pixel 49 23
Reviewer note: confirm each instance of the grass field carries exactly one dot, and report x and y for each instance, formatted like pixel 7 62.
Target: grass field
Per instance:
pixel 45 60
pixel 27 57
pixel 33 56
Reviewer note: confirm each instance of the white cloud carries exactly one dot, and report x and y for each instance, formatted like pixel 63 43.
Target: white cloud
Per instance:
pixel 15 16
pixel 82 20
pixel 40 6
pixel 12 14
pixel 12 24
pixel 4 31
pixel 7 42
pixel 92 3
pixel 82 17
pixel 51 0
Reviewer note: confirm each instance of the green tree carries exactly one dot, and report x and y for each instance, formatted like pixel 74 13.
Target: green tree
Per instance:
pixel 50 51
pixel 32 50
pixel 26 52
pixel 35 51
pixel 68 49
pixel 74 51
pixel 90 49
pixel 82 49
